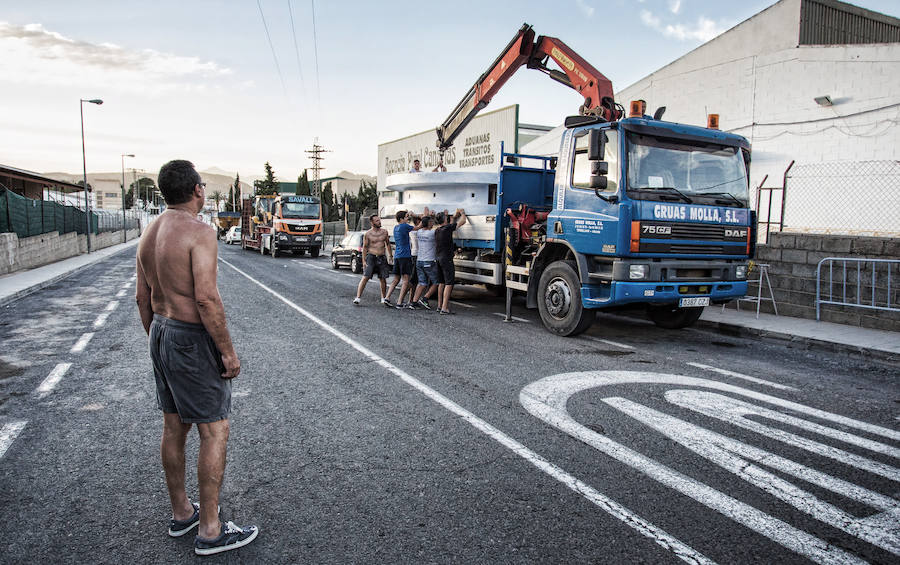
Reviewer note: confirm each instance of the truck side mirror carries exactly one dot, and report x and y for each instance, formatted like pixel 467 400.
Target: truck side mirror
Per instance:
pixel 599 182
pixel 596 145
pixel 599 168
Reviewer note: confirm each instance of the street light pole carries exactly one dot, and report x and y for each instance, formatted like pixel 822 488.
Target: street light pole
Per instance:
pixel 87 196
pixel 124 226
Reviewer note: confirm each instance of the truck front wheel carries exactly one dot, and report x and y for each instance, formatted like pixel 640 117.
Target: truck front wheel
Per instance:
pixel 559 300
pixel 313 252
pixel 274 250
pixel 673 317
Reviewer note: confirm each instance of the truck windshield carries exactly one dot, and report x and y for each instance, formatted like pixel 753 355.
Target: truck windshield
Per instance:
pixel 299 210
pixel 674 169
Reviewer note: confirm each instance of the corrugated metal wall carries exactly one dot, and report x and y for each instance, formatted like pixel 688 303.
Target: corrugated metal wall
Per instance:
pixel 826 22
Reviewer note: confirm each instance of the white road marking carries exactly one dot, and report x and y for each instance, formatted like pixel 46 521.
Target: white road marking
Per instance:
pixel 608 342
pixel 101 319
pixel 126 286
pixel 728 373
pixel 8 434
pixel 735 412
pixel 734 456
pixel 112 305
pixel 463 304
pixel 350 275
pixel 52 379
pixel 121 293
pixel 82 342
pixel 547 399
pixel 645 528
pixel 516 318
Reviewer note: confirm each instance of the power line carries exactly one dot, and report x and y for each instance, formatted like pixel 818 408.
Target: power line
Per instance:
pixel 272 47
pixel 297 49
pixel 316 52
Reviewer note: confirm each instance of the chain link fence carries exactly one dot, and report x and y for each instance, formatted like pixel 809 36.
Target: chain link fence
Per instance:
pixel 28 217
pixel 856 198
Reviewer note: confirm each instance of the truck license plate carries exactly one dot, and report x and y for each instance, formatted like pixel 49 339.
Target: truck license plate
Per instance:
pixel 694 302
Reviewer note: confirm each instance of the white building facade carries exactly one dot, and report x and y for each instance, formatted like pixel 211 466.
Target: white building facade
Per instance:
pixel 815 83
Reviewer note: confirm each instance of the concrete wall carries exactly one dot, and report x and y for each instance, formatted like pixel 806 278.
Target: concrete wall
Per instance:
pixel 792 260
pixel 30 252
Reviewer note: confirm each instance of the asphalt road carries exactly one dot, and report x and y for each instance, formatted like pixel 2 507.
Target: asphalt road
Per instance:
pixel 362 434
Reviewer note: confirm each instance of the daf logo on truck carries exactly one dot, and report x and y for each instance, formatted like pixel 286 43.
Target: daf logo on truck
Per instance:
pixel 736 233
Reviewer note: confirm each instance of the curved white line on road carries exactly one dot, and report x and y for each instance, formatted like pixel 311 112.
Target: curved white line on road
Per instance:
pixel 645 528
pixel 547 399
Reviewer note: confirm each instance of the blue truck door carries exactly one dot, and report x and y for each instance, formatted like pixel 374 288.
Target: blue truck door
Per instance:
pixel 579 216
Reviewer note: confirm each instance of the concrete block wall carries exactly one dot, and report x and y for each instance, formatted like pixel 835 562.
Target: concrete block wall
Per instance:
pixel 792 260
pixel 30 252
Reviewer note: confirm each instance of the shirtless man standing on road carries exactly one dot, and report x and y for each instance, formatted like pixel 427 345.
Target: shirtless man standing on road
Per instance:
pixel 193 357
pixel 376 252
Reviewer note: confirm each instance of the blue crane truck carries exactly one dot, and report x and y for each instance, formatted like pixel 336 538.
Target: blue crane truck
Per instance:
pixel 631 211
pixel 635 212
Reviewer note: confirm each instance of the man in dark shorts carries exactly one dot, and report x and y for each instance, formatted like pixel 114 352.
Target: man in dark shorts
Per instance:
pixel 443 242
pixel 403 265
pixel 376 253
pixel 192 354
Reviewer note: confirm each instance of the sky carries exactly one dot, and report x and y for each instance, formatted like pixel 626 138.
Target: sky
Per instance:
pixel 232 84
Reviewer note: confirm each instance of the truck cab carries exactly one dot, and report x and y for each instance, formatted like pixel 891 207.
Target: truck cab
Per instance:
pixel 645 211
pixel 275 224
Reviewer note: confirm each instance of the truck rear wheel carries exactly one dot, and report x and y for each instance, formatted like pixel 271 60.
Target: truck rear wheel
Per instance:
pixel 673 317
pixel 559 300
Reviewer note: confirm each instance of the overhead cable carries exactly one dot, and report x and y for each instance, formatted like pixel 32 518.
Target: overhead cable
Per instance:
pixel 316 53
pixel 297 49
pixel 269 37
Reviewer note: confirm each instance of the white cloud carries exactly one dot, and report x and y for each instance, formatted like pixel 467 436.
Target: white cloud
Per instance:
pixel 35 55
pixel 674 6
pixel 585 7
pixel 703 29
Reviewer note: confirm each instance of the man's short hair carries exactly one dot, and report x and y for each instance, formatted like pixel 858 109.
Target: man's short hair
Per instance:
pixel 177 180
pixel 440 218
pixel 427 221
pixel 416 161
pixel 401 215
pixel 372 218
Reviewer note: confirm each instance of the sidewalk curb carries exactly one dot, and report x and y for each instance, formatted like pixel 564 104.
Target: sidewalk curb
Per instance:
pixel 5 301
pixel 736 330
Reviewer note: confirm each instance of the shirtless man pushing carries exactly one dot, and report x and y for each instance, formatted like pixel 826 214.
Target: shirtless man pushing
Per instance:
pixel 193 357
pixel 376 252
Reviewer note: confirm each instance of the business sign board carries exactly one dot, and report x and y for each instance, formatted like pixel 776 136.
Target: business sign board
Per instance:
pixel 477 149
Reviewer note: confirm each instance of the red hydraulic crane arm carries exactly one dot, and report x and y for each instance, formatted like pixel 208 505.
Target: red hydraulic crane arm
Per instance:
pixel 523 50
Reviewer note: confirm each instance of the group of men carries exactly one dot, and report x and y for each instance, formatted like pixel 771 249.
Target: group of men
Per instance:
pixel 422 261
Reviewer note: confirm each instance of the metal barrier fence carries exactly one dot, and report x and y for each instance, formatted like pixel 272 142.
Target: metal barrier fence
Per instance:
pixel 28 217
pixel 881 285
pixel 332 232
pixel 853 197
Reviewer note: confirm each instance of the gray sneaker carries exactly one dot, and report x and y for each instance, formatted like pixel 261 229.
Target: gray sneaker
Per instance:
pixel 423 303
pixel 232 537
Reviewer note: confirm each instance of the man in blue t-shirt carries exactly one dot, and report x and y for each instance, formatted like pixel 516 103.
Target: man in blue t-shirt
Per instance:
pixel 403 266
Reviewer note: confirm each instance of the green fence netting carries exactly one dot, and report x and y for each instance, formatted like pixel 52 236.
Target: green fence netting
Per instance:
pixel 27 217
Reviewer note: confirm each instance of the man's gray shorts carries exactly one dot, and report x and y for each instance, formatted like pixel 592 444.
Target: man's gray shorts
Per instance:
pixel 188 369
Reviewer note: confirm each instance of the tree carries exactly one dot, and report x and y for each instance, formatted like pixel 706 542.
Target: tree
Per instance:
pixel 328 203
pixel 234 196
pixel 367 197
pixel 129 199
pixel 267 185
pixel 81 184
pixel 217 196
pixel 303 187
pixel 145 189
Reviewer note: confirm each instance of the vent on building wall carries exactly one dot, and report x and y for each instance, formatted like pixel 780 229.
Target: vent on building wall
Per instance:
pixel 829 22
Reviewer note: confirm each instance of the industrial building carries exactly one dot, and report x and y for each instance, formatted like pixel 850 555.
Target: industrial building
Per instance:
pixel 815 86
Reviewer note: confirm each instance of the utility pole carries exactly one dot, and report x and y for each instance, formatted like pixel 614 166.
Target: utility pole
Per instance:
pixel 316 155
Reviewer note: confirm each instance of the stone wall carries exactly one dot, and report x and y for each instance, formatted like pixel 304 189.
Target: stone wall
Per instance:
pixel 30 252
pixel 792 260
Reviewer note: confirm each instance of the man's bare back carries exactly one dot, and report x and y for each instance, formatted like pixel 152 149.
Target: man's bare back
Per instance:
pixel 165 256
